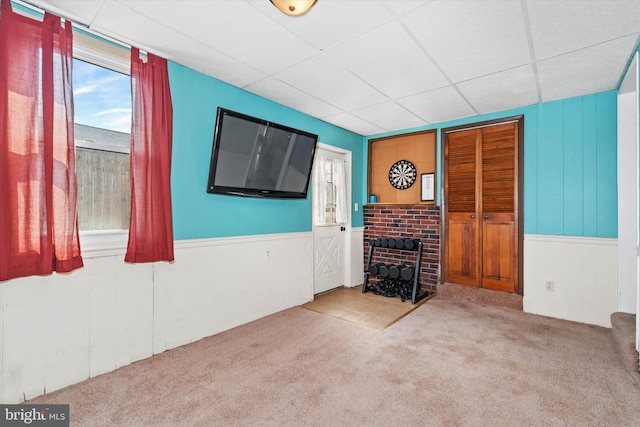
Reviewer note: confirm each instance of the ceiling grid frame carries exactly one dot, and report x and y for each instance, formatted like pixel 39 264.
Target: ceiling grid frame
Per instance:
pixel 574 48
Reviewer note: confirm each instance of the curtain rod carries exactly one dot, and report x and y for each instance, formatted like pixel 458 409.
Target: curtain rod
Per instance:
pixel 81 27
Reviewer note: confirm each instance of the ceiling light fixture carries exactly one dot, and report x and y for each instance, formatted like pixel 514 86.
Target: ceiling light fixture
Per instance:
pixel 293 7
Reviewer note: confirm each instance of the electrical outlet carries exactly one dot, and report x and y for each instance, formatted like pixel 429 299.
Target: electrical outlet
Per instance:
pixel 267 254
pixel 549 285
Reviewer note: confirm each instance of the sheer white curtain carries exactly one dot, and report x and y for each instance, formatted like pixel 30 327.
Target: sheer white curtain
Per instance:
pixel 329 191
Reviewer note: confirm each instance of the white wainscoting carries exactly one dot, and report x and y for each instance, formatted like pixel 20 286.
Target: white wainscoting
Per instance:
pixel 584 272
pixel 357 261
pixel 62 329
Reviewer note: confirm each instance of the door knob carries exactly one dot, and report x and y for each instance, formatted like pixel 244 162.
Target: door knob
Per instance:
pixel 473 217
pixel 486 217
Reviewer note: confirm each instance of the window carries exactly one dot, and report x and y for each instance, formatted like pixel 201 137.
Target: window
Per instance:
pixel 102 110
pixel 330 191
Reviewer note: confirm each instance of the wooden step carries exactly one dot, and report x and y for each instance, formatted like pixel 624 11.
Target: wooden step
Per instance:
pixel 623 330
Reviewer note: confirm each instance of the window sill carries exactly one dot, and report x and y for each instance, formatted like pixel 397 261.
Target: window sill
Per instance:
pixel 101 243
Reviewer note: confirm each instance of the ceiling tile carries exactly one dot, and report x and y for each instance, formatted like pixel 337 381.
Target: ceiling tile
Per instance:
pixel 212 63
pixel 337 86
pixel 284 94
pixel 233 28
pixel 405 69
pixel 80 12
pixel 354 124
pixel 400 7
pixel 389 116
pixel 562 26
pixel 134 28
pixel 501 91
pixel 438 105
pixel 330 22
pixel 589 70
pixel 470 39
pixel 147 34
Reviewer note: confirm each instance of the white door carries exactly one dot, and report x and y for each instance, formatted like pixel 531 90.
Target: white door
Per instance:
pixel 330 219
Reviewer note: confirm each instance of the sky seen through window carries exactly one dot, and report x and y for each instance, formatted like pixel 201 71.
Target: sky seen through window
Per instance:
pixel 102 97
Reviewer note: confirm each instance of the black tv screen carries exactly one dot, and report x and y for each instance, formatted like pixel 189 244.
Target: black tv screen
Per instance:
pixel 257 158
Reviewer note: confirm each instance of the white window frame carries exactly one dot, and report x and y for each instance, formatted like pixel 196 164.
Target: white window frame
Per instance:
pixel 113 56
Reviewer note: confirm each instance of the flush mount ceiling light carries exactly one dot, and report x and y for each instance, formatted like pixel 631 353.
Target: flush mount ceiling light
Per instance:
pixel 293 7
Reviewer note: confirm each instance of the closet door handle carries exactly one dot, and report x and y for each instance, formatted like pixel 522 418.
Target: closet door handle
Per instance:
pixel 486 217
pixel 472 216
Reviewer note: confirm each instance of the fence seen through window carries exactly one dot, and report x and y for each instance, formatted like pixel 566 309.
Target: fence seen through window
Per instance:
pixel 102 109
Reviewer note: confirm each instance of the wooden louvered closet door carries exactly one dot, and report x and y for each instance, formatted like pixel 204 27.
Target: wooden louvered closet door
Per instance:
pixel 462 250
pixel 481 193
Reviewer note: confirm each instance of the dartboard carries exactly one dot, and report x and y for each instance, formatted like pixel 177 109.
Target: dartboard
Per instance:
pixel 402 174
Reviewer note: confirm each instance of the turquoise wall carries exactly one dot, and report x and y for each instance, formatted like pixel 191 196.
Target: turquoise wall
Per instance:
pixel 197 214
pixel 570 164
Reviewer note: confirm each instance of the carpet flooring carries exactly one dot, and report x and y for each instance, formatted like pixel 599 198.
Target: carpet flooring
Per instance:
pixel 447 363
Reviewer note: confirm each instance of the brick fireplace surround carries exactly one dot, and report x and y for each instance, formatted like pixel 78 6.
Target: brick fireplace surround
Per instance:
pixel 405 221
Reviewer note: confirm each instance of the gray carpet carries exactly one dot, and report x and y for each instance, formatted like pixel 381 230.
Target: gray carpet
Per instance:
pixel 448 363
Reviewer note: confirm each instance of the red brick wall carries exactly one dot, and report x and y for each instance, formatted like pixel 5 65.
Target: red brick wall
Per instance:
pixel 405 221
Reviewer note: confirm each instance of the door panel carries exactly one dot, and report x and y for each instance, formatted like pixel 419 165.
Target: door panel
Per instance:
pixel 499 260
pixel 498 169
pixel 499 239
pixel 462 220
pixel 462 249
pixel 328 258
pixel 461 172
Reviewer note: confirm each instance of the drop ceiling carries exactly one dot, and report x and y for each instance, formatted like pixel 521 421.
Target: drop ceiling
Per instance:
pixel 374 66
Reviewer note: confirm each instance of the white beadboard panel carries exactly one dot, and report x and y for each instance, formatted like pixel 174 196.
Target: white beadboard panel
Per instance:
pixel 23 324
pixel 121 312
pixel 175 286
pixel 133 311
pixel 102 344
pixel 294 267
pixel 66 332
pixel 217 284
pixel 357 263
pixel 62 329
pixel 45 335
pixel 584 272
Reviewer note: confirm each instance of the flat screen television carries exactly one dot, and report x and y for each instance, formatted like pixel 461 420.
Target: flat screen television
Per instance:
pixel 252 157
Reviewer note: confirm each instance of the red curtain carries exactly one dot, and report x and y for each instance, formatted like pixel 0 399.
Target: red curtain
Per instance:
pixel 38 215
pixel 150 228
